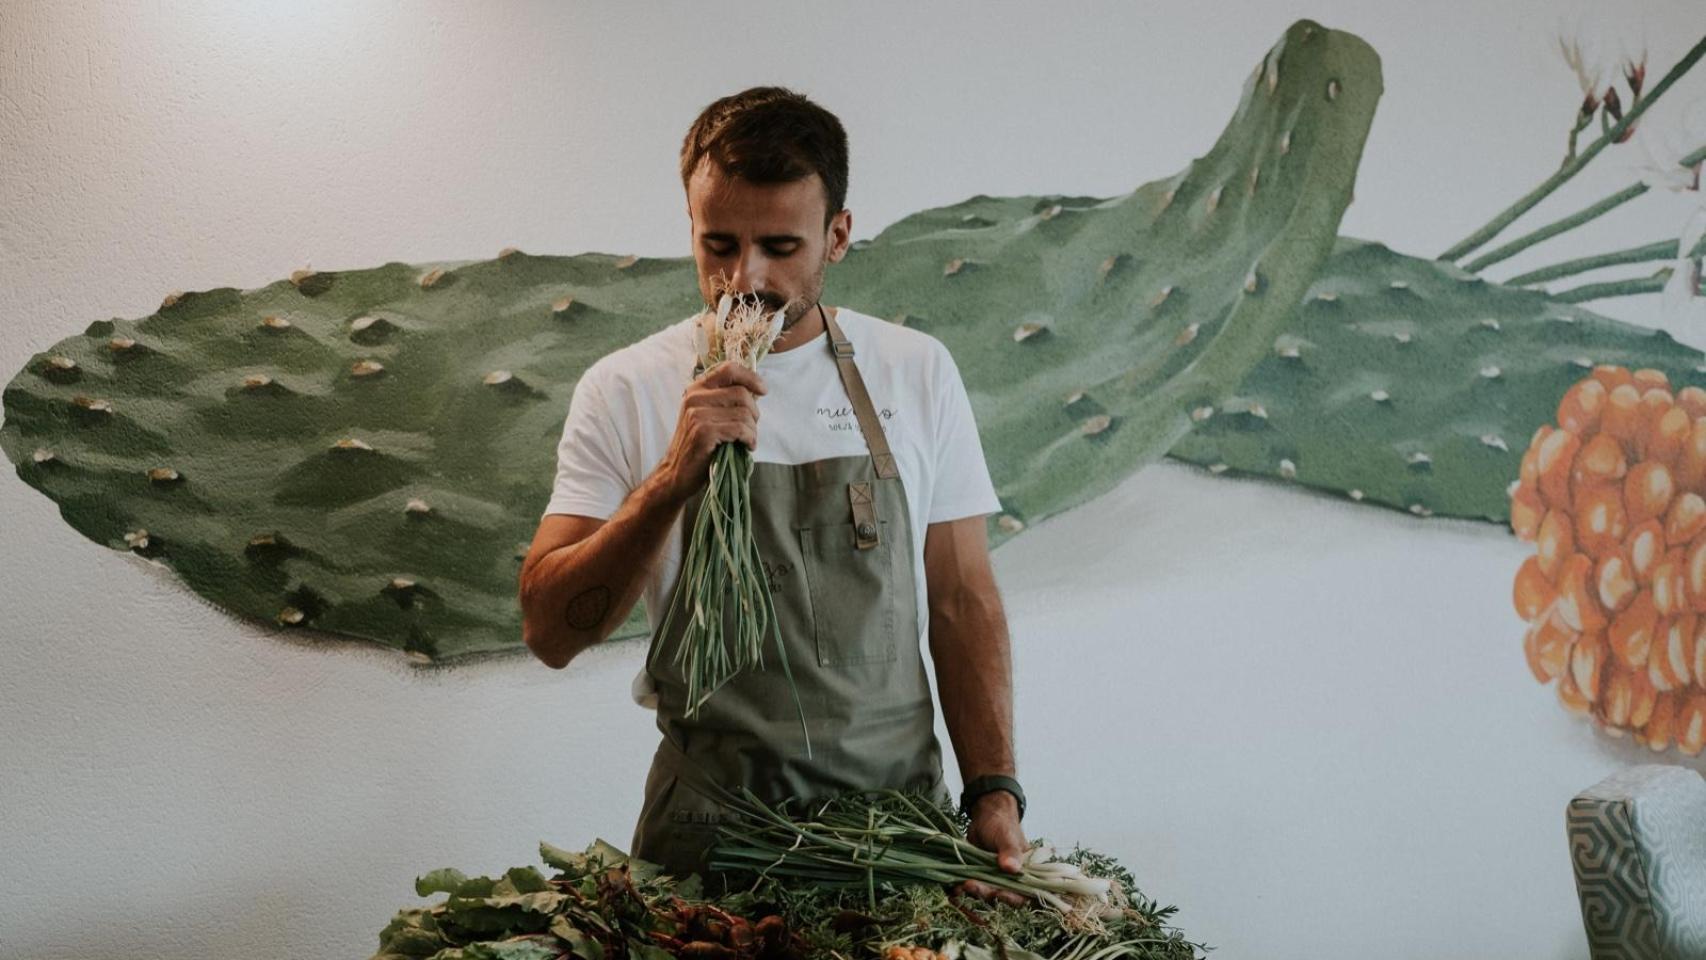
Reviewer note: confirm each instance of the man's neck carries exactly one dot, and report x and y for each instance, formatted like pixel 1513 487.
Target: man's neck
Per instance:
pixel 805 330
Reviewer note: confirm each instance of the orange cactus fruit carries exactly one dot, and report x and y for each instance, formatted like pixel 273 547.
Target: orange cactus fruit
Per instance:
pixel 1616 699
pixel 1672 654
pixel 1647 490
pixel 1546 645
pixel 1601 522
pixel 1612 376
pixel 1685 518
pixel 1557 457
pixel 1578 596
pixel 1647 379
pixel 1614 579
pixel 1642 698
pixel 1631 632
pixel 1693 400
pixel 1691 724
pixel 1572 698
pixel 1526 513
pixel 1670 589
pixel 1554 543
pixel 1613 497
pixel 1655 403
pixel 1645 547
pixel 1529 471
pixel 1691 465
pixel 1669 436
pixel 1533 592
pixel 1661 726
pixel 1581 406
pixel 1588 658
pixel 1697 664
pixel 1600 459
pixel 1622 416
pixel 1694 575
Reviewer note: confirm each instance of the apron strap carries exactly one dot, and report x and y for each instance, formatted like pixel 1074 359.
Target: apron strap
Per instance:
pixel 861 497
pixel 862 500
pixel 855 386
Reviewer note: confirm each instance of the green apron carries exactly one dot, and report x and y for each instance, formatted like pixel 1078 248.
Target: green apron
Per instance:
pixel 835 538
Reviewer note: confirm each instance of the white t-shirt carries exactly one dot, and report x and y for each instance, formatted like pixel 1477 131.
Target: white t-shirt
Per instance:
pixel 623 413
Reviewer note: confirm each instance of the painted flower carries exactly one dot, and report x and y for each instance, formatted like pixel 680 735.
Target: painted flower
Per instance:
pixel 1589 60
pixel 1665 141
pixel 1587 76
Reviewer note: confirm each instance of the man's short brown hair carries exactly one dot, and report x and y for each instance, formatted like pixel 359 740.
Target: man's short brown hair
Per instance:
pixel 771 135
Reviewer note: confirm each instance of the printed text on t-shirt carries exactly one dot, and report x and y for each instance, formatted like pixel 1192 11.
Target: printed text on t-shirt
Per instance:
pixel 843 418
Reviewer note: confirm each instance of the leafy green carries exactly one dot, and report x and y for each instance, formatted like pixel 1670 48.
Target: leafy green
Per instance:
pixel 602 904
pixel 446 880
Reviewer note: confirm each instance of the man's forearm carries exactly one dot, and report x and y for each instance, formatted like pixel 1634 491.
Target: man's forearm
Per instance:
pixel 575 595
pixel 974 676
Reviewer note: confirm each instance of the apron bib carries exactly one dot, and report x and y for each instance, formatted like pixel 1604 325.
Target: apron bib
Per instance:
pixel 835 538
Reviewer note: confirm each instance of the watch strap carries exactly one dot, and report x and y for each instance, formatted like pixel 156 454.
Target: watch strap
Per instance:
pixel 989 783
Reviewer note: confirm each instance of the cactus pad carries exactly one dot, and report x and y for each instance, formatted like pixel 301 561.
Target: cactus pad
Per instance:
pixel 366 452
pixel 1413 384
pixel 1088 330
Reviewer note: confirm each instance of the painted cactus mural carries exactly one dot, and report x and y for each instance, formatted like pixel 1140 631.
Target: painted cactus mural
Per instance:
pixel 361 452
pixel 1413 382
pixel 364 452
pixel 1611 494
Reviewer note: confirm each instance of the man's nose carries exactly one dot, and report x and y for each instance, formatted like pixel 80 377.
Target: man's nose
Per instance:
pixel 749 272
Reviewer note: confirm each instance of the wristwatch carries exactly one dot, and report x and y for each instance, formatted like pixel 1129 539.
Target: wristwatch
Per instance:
pixel 989 783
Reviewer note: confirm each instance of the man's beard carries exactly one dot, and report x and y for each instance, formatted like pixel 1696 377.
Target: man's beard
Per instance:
pixel 804 304
pixel 788 322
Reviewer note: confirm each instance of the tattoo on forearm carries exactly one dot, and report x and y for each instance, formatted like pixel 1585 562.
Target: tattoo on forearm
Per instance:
pixel 588 608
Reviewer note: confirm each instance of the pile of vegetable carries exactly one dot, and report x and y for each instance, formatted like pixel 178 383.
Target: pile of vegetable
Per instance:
pixel 893 838
pixel 881 891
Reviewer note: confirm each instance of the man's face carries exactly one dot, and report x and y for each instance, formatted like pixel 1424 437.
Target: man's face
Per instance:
pixel 764 238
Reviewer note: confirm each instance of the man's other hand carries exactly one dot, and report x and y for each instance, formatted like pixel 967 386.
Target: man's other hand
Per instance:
pixel 995 827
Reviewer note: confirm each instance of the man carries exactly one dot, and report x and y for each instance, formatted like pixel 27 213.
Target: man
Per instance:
pixel 869 490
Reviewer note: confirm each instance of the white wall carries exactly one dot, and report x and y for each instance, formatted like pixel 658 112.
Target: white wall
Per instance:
pixel 1308 724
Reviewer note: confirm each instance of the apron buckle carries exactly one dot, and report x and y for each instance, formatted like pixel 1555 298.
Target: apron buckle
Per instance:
pixel 864 505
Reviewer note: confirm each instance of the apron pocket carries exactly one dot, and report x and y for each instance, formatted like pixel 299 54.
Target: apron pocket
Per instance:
pixel 852 594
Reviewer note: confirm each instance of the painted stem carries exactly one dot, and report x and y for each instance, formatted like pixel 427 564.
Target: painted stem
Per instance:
pixel 1556 227
pixel 1573 167
pixel 1572 221
pixel 1614 288
pixel 1645 253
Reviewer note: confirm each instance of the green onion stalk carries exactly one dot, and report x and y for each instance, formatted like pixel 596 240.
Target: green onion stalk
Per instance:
pixel 721 570
pixel 892 837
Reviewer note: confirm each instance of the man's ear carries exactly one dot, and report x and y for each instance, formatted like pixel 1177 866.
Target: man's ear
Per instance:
pixel 840 232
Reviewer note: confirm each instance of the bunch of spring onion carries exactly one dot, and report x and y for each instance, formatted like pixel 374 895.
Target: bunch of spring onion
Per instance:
pixel 892 837
pixel 721 569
